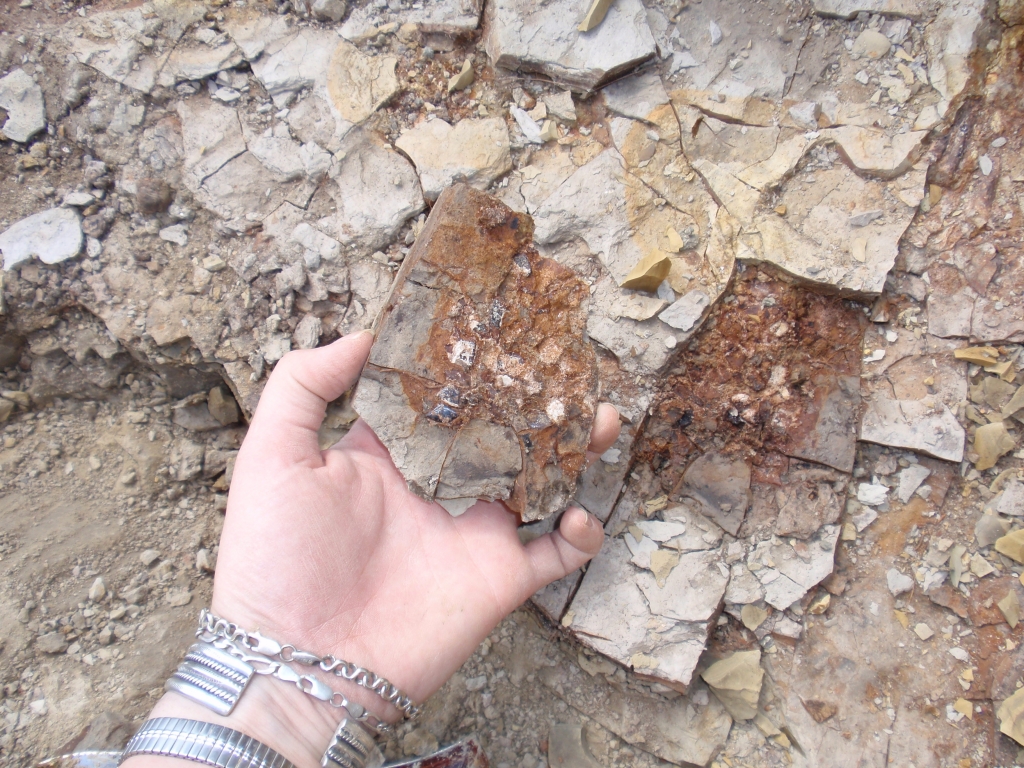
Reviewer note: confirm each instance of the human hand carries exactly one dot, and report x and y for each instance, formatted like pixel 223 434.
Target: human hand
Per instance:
pixel 330 551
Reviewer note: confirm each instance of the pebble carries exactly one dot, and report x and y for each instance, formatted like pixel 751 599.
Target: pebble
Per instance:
pixel 52 643
pixel 898 583
pixel 872 495
pixel 98 590
pixel 985 164
pixel 149 556
pixel 872 44
pixel 204 561
pixel 716 33
pixel 476 683
pixel 923 631
pixel 176 234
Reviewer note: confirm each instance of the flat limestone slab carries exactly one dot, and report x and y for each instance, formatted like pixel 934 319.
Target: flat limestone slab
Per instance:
pixel 481 382
pixel 543 37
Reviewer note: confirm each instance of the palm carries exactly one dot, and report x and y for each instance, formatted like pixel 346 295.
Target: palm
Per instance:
pixel 330 550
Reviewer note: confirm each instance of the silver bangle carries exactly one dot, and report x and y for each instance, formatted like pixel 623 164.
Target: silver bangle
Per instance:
pixel 352 747
pixel 202 743
pixel 211 677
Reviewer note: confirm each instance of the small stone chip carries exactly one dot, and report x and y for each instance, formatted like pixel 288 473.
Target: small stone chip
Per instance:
pixel 1012 545
pixel 983 356
pixel 981 567
pixel 1011 716
pixel 214 264
pixel 596 14
pixel 649 272
pixel 990 443
pixel 753 616
pixel 965 708
pixel 819 710
pixel 736 681
pixel 956 564
pixel 819 604
pixel 901 617
pixel 98 590
pixel 675 242
pixel 662 563
pixel 149 557
pixel 462 80
pixel 1010 606
pixel 923 631
pixel 959 654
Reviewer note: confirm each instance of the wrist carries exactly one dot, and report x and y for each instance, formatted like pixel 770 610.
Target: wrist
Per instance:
pixel 278 715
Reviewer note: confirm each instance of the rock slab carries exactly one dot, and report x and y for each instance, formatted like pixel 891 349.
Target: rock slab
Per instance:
pixel 480 382
pixel 543 37
pixel 22 99
pixel 51 236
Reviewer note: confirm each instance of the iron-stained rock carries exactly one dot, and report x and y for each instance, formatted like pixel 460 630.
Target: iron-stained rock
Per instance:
pixel 480 382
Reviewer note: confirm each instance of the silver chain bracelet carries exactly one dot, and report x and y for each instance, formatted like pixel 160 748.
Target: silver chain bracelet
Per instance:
pixel 212 627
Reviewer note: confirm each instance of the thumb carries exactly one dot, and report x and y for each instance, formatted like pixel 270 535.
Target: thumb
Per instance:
pixel 292 406
pixel 579 537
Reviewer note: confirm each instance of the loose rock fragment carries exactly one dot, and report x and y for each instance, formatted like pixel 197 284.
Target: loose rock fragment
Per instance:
pixel 649 273
pixel 820 711
pixel 462 80
pixel 595 15
pixel 983 356
pixel 22 99
pixel 223 407
pixel 480 382
pixel 51 236
pixel 752 616
pixel 910 480
pixel 98 590
pixel 923 631
pixel 872 44
pixel 898 583
pixel 736 681
pixel 1011 716
pixel 1010 606
pixel 685 313
pixel 990 442
pixel 1012 545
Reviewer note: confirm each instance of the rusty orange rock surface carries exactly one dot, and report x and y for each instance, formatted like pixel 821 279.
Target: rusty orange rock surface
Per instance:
pixel 481 381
